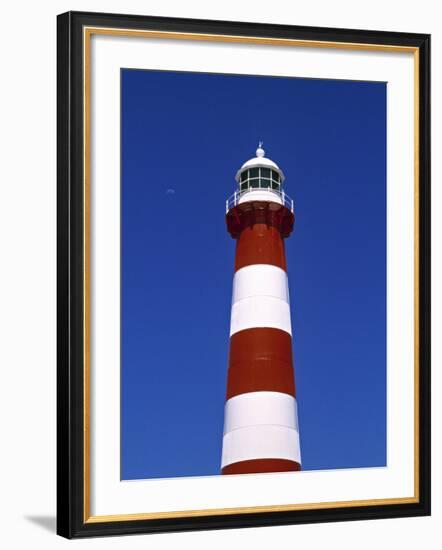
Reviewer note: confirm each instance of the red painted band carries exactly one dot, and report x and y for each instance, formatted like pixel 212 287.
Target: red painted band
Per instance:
pixel 261 465
pixel 260 244
pixel 260 359
pixel 268 213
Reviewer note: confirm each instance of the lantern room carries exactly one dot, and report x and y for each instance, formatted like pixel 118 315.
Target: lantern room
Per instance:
pixel 259 173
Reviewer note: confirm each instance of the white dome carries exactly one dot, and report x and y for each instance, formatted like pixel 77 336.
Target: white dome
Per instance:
pixel 260 161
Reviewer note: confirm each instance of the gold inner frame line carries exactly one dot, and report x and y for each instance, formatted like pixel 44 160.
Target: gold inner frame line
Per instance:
pixel 87 34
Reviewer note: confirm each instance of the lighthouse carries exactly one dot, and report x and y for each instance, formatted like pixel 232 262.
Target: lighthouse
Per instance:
pixel 261 431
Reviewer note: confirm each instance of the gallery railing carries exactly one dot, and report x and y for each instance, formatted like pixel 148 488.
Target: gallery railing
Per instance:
pixel 281 196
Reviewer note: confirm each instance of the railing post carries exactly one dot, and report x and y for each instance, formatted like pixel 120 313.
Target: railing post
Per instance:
pixel 227 205
pixel 234 198
pixel 292 206
pixel 283 198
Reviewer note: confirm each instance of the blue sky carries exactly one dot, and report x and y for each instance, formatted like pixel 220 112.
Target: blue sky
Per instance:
pixel 184 135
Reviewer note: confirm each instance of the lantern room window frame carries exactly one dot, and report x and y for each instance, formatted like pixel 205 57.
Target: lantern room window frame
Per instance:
pixel 249 180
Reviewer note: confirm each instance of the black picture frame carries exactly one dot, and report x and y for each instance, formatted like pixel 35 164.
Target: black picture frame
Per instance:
pixel 71 520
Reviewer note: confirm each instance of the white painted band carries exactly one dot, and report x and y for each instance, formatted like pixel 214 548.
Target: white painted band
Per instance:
pixel 260 280
pixel 260 195
pixel 260 299
pixel 259 408
pixel 263 441
pixel 260 311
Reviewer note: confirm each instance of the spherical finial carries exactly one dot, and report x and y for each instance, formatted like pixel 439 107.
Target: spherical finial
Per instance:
pixel 260 151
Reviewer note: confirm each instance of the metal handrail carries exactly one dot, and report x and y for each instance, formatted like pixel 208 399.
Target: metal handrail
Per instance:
pixel 234 199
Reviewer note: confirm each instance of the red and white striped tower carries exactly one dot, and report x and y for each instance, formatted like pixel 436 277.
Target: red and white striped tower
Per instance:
pixel 260 419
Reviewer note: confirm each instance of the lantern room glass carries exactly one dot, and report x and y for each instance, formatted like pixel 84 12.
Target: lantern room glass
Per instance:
pixel 260 178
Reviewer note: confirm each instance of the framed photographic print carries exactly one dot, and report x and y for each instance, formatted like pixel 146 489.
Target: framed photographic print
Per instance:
pixel 243 274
